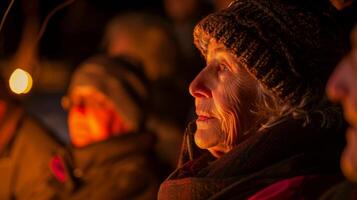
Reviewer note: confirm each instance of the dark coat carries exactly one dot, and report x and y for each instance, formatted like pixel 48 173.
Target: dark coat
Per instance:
pixel 35 166
pixel 119 168
pixel 343 190
pixel 284 151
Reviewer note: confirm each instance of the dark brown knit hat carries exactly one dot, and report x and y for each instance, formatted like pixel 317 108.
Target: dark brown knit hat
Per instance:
pixel 289 48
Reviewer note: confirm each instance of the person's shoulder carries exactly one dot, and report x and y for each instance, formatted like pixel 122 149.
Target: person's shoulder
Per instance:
pixel 32 133
pixel 341 190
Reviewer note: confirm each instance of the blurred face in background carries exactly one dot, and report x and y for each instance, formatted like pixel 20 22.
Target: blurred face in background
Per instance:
pixel 224 95
pixel 181 10
pixel 342 88
pixel 92 117
pixel 149 44
pixel 221 4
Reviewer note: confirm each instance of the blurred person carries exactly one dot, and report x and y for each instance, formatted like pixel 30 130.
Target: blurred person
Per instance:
pixel 183 10
pixel 27 149
pixel 148 38
pixel 183 16
pixel 342 88
pixel 262 114
pixel 221 4
pixel 340 78
pixel 112 155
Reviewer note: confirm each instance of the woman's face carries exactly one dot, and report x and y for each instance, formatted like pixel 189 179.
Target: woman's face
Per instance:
pixel 342 88
pixel 92 117
pixel 225 96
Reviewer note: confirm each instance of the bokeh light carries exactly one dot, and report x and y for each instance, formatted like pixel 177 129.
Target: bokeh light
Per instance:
pixel 20 81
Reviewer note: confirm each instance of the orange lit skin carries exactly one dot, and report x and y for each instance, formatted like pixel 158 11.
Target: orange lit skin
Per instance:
pixel 92 118
pixel 342 88
pixel 222 104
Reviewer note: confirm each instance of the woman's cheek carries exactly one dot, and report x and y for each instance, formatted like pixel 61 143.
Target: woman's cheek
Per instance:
pixel 99 125
pixel 78 129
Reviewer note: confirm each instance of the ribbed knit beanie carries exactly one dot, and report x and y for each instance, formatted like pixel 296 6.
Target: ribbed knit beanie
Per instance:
pixel 123 82
pixel 290 47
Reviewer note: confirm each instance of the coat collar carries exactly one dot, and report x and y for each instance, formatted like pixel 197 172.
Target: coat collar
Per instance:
pixel 286 140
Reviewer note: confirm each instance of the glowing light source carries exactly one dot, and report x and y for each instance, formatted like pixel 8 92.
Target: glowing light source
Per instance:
pixel 20 81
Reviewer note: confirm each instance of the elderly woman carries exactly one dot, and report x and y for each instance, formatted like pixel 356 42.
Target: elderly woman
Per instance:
pixel 262 114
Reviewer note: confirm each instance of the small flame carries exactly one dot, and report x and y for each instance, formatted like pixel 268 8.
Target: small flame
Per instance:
pixel 20 81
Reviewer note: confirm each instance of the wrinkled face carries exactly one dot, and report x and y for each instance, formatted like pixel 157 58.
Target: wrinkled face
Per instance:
pixel 91 117
pixel 342 88
pixel 224 95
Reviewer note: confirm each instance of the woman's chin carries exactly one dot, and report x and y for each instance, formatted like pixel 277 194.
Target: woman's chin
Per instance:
pixel 349 156
pixel 205 140
pixel 348 168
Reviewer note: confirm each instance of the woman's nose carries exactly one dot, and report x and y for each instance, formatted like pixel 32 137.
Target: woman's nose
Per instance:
pixel 337 87
pixel 79 107
pixel 199 87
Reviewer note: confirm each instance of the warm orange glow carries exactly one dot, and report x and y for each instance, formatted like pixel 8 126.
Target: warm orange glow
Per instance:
pixel 20 81
pixel 92 117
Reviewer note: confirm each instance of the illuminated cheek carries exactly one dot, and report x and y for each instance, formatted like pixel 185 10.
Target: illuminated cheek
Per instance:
pixel 350 112
pixel 228 113
pixel 227 98
pixel 78 129
pixel 98 124
pixel 76 120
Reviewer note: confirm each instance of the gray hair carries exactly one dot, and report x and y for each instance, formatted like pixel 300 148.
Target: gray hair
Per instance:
pixel 275 111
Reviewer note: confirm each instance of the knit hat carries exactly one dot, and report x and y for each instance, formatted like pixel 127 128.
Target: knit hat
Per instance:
pixel 290 47
pixel 118 79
